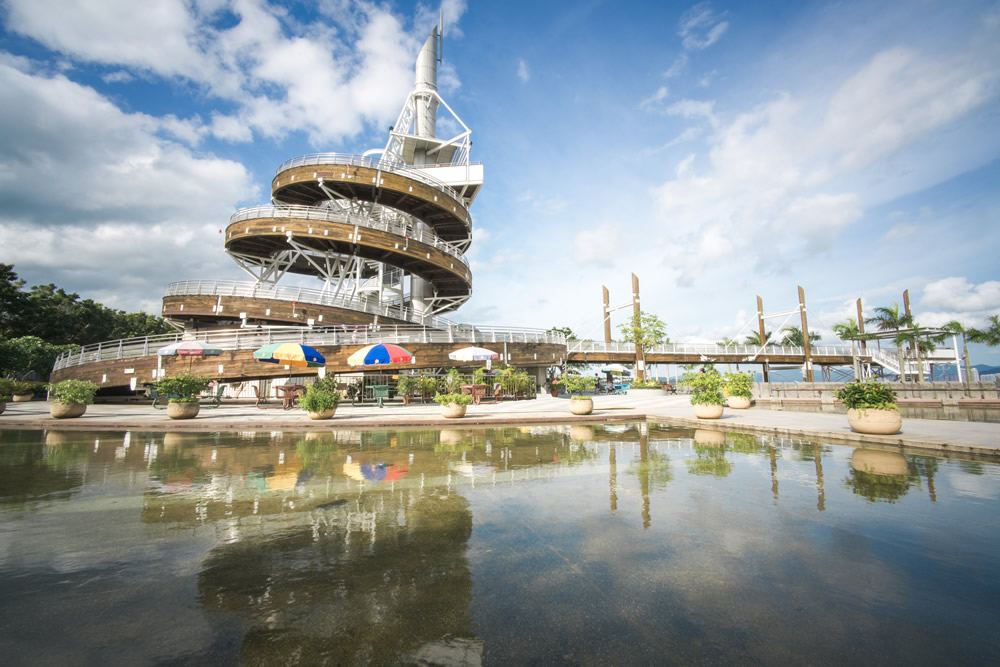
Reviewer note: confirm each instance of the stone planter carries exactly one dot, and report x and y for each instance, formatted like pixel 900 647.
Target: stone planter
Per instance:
pixel 738 402
pixel 23 398
pixel 3 406
pixel 325 414
pixel 707 410
pixel 707 438
pixel 874 422
pixel 66 410
pixel 878 462
pixel 581 406
pixel 452 410
pixel 184 410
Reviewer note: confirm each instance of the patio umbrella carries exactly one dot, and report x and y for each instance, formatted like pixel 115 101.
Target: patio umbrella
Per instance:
pixel 290 354
pixel 382 353
pixel 187 348
pixel 473 354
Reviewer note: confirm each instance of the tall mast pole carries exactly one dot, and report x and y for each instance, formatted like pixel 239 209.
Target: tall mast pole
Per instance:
pixel 640 373
pixel 805 335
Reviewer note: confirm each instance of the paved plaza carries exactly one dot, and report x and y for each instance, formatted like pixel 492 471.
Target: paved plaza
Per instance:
pixel 941 435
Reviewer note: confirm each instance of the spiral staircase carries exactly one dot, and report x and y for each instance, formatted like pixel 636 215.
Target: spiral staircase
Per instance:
pixel 384 233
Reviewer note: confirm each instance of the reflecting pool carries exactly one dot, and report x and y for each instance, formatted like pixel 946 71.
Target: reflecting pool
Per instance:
pixel 615 544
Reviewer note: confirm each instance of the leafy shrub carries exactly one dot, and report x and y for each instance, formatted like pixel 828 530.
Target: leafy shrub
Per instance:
pixel 73 391
pixel 457 399
pixel 739 385
pixel 576 383
pixel 706 388
pixel 321 395
pixel 871 395
pixel 645 384
pixel 406 385
pixel 581 398
pixel 185 386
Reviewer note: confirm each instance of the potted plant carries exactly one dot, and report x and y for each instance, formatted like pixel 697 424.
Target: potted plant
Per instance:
pixel 706 393
pixel 453 381
pixel 871 407
pixel 183 391
pixel 453 405
pixel 574 383
pixel 405 387
pixel 647 387
pixel 70 398
pixel 551 383
pixel 738 389
pixel 24 390
pixel 523 384
pixel 321 399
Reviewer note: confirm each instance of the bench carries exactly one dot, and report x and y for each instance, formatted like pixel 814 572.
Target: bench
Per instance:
pixel 157 397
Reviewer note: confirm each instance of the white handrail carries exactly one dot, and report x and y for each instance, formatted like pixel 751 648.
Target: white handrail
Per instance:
pixel 302 295
pixel 378 222
pixel 251 338
pixel 361 161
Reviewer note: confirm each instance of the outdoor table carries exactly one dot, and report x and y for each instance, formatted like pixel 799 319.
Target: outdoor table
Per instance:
pixel 287 393
pixel 477 391
pixel 379 392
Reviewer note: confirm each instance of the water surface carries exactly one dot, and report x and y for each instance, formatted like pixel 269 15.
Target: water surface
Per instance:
pixel 618 544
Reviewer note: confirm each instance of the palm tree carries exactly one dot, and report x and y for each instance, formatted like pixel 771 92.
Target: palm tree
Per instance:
pixel 915 336
pixel 793 337
pixel 990 336
pixel 890 319
pixel 726 342
pixel 754 338
pixel 956 327
pixel 848 330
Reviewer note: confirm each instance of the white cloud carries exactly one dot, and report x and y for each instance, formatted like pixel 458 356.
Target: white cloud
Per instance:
pixel 957 294
pixel 600 245
pixel 281 76
pixel 776 183
pixel 654 101
pixel 700 27
pixel 900 232
pixel 522 71
pixel 676 67
pixel 694 109
pixel 117 190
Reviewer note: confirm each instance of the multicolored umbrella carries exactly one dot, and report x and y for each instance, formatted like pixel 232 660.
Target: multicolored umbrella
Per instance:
pixel 382 353
pixel 473 354
pixel 290 354
pixel 189 348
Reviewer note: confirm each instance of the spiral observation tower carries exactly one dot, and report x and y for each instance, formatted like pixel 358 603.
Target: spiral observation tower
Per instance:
pixel 384 233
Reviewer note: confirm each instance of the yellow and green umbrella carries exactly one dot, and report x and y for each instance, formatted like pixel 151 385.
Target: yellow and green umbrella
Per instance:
pixel 290 354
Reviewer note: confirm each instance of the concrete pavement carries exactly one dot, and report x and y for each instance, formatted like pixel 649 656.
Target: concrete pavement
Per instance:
pixel 982 439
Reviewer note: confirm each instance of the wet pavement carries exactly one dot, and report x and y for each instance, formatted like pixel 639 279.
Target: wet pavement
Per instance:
pixel 940 435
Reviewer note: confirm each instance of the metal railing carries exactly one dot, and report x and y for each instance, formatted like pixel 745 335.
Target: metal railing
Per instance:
pixel 250 339
pixel 254 290
pixel 379 222
pixel 347 159
pixel 709 349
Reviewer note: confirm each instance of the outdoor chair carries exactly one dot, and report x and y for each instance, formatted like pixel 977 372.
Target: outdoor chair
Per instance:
pixel 216 398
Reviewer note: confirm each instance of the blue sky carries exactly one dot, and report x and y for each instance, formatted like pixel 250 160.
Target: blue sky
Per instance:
pixel 717 150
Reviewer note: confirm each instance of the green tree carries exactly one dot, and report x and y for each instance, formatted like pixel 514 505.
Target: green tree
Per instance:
pixel 22 356
pixel 990 335
pixel 890 319
pixel 754 338
pixel 957 328
pixel 793 337
pixel 12 301
pixel 566 331
pixel 646 330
